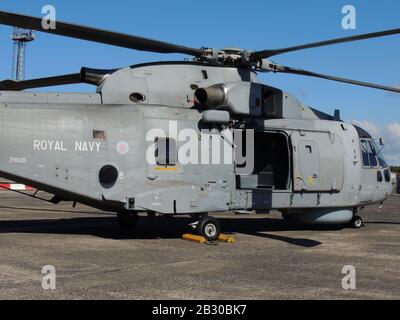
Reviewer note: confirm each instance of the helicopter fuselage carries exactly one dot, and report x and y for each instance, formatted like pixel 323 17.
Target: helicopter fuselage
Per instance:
pixel 94 148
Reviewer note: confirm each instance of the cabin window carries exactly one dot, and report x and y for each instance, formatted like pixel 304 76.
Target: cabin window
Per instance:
pixel 108 176
pixel 99 135
pixel 166 151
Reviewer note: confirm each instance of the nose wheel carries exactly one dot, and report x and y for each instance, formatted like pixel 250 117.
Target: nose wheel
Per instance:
pixel 209 228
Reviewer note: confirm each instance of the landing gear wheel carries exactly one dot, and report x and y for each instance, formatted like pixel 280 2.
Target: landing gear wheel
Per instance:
pixel 127 220
pixel 209 228
pixel 356 222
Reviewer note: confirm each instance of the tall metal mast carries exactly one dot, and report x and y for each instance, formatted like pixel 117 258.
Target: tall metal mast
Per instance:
pixel 20 37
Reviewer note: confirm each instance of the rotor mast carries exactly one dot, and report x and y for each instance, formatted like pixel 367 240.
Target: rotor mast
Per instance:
pixel 20 38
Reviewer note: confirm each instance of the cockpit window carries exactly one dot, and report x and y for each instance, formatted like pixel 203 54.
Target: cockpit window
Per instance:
pixel 365 156
pixel 379 155
pixel 371 154
pixel 373 162
pixel 382 161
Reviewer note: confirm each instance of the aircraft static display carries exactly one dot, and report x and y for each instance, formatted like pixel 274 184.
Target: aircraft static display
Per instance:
pixel 189 137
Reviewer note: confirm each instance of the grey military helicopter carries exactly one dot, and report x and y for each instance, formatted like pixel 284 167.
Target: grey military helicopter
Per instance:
pixel 93 148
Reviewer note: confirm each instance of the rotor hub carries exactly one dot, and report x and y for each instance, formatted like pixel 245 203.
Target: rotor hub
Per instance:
pixel 228 56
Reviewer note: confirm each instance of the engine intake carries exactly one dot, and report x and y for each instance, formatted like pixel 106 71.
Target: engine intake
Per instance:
pixel 242 99
pixel 95 76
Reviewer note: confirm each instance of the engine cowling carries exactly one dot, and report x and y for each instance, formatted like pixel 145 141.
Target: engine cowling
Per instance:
pixel 242 99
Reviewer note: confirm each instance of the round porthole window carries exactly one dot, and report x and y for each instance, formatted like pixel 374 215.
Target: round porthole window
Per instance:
pixel 137 97
pixel 108 176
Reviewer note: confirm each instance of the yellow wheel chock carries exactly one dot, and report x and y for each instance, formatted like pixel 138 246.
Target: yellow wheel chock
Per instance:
pixel 199 239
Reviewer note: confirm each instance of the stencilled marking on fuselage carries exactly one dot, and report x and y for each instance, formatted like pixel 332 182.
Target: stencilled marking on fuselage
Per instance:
pixel 59 145
pixel 49 145
pixel 17 160
pixel 87 146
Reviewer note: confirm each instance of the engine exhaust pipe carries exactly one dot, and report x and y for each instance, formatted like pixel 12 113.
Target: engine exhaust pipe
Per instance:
pixel 213 96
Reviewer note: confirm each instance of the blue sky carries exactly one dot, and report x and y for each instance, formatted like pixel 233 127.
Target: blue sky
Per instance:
pixel 252 25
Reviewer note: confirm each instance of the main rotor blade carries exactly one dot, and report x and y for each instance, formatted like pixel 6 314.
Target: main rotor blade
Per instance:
pixel 96 35
pixel 285 69
pixel 11 85
pixel 269 53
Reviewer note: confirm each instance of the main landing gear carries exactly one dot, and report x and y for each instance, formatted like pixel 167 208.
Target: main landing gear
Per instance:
pixel 208 227
pixel 356 222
